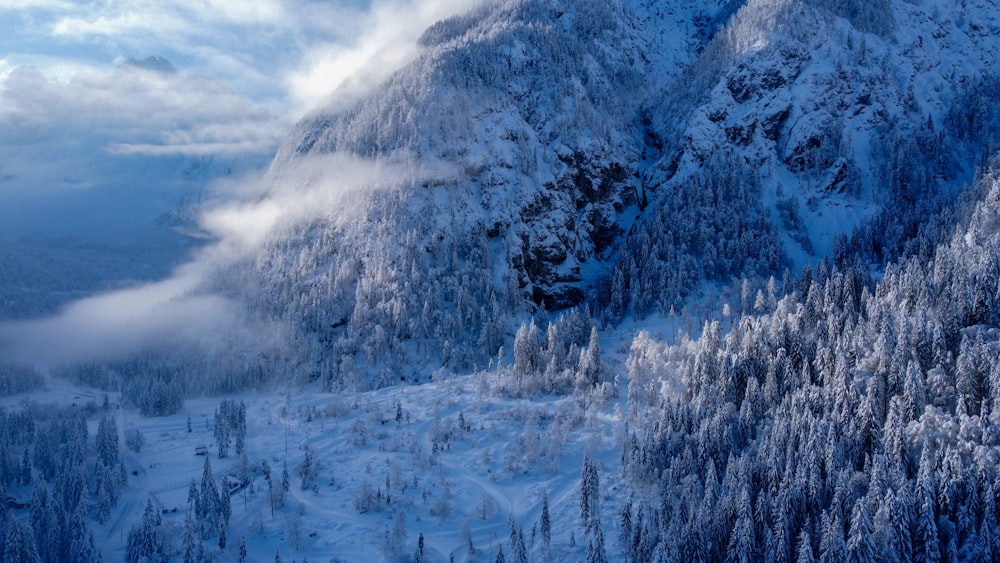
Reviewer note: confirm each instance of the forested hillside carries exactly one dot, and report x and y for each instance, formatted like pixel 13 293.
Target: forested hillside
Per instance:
pixel 845 421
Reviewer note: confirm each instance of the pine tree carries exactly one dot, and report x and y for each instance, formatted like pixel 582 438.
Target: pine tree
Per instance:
pixel 189 546
pixel 926 547
pixel 894 521
pixel 595 549
pixel 418 556
pixel 804 550
pixel 39 513
pixel 527 353
pixel 591 369
pixel 109 445
pixel 209 502
pixel 545 523
pixel 83 549
pixel 398 538
pixel 860 540
pixel 518 549
pixel 18 547
pixel 832 547
pixel 270 485
pixel 741 540
pixel 145 542
pixel 285 481
pixel 225 504
pixel 193 496
pixel 625 529
pixel 589 493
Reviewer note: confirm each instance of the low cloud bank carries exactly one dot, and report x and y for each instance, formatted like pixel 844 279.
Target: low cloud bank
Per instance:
pixel 180 312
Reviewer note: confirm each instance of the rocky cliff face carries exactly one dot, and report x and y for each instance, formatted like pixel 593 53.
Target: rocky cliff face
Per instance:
pixel 599 152
pixel 537 106
pixel 813 96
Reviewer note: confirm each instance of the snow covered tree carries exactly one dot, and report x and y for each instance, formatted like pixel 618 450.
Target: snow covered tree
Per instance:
pixel 625 529
pixel 18 545
pixel 189 543
pixel 396 539
pixel 308 469
pixel 225 504
pixel 518 549
pixel 803 549
pixel 861 537
pixel 527 353
pixel 742 546
pixel 266 469
pixel 146 542
pixel 595 549
pixel 589 493
pixel 418 556
pixel 591 369
pixel 285 484
pixel 108 453
pixel 545 522
pixel 209 505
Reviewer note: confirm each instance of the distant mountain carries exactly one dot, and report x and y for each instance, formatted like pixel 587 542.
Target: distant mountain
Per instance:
pixel 621 155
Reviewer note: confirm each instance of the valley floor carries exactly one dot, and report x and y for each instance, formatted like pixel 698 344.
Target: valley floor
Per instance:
pixel 449 460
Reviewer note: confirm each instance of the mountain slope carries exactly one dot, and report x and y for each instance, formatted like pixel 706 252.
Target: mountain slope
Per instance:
pixel 813 117
pixel 615 154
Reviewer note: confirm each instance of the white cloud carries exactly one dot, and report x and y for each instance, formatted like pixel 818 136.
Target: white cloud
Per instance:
pixel 120 323
pixel 136 111
pixel 287 54
pixel 36 5
pixel 387 42
pixel 178 312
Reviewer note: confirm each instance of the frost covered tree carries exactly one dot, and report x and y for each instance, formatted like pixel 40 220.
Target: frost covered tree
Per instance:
pixel 147 541
pixel 209 503
pixel 527 353
pixel 518 548
pixel 595 549
pixel 396 538
pixel 19 546
pixel 286 484
pixel 589 494
pixel 545 522
pixel 591 369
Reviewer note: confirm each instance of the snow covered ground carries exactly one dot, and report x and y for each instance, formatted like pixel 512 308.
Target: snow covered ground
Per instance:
pixel 449 455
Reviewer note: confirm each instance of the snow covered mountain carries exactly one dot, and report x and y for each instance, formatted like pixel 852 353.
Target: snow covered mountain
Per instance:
pixel 619 155
pixel 823 175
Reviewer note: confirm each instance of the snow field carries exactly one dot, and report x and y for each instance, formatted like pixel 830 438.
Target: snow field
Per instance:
pixel 442 475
